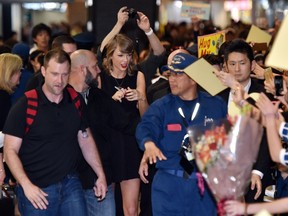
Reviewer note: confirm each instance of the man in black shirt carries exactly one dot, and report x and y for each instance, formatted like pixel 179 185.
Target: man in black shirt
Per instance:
pixel 44 160
pixel 103 118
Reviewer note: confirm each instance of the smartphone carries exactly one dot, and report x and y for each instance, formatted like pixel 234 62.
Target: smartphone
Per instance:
pixel 278 82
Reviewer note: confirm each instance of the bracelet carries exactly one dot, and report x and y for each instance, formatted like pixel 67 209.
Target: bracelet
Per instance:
pixel 245 209
pixel 149 32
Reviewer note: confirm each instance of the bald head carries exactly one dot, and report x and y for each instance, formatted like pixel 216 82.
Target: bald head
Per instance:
pixel 82 57
pixel 84 69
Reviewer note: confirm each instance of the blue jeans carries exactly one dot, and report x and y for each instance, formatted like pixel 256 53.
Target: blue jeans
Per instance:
pixel 65 198
pixel 105 207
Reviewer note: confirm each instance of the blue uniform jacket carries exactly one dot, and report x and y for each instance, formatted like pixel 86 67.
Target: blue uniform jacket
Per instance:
pixel 163 124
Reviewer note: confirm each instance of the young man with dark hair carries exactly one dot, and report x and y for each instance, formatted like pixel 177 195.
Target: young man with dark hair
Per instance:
pixel 41 35
pixel 239 62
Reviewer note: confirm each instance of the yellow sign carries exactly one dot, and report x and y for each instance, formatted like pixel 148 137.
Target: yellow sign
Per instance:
pixel 258 36
pixel 210 44
pixel 203 73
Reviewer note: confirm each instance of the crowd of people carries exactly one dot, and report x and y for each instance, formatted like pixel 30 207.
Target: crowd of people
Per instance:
pixel 99 131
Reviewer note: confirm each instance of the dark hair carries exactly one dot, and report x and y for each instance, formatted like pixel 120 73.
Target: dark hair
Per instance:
pixel 240 46
pixel 60 40
pixel 5 49
pixel 41 59
pixel 59 55
pixel 39 28
pixel 35 53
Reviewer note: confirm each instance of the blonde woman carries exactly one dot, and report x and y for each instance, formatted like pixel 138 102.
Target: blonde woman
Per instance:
pixel 10 66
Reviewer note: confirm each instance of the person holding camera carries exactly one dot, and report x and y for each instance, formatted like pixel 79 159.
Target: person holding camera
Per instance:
pixel 160 134
pixel 126 85
pixel 157 54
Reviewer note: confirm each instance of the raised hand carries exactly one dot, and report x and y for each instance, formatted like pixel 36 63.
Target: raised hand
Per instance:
pixel 143 22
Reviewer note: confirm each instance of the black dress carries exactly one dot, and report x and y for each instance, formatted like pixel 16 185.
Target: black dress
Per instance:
pixel 5 105
pixel 126 155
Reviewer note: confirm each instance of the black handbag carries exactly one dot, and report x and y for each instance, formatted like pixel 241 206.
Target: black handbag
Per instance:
pixel 7 197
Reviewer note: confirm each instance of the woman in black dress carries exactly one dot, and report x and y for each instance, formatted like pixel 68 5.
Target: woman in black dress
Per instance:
pixel 126 86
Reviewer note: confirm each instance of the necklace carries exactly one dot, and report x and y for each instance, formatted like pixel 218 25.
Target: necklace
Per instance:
pixel 119 82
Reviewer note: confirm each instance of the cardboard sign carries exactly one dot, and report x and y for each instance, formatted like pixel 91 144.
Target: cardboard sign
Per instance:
pixel 258 36
pixel 210 44
pixel 203 73
pixel 200 10
pixel 278 55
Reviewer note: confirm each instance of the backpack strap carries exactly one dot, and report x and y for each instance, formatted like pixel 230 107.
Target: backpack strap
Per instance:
pixel 32 106
pixel 75 99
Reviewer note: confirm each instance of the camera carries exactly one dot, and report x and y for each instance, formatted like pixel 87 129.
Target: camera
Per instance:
pixel 187 157
pixel 132 13
pixel 278 82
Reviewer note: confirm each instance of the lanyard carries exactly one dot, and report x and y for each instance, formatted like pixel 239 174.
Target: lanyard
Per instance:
pixel 194 113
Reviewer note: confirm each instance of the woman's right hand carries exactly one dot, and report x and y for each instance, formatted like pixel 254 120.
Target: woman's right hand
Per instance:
pixel 119 95
pixel 122 15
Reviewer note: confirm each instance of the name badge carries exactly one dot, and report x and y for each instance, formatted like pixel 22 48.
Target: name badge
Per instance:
pixel 174 127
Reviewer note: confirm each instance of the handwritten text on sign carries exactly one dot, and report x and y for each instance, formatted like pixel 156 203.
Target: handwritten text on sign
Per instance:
pixel 210 44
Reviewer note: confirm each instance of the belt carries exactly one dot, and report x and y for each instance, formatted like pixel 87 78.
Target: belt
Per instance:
pixel 179 173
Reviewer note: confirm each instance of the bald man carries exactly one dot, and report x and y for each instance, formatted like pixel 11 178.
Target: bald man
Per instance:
pixel 103 120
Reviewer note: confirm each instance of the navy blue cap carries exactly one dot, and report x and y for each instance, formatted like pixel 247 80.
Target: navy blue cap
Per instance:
pixel 180 61
pixel 84 40
pixel 164 68
pixel 22 50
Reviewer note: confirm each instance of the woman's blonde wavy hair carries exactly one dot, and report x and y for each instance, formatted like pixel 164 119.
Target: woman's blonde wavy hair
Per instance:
pixel 10 64
pixel 126 46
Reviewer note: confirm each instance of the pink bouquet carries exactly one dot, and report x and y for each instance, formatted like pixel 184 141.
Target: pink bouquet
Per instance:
pixel 225 153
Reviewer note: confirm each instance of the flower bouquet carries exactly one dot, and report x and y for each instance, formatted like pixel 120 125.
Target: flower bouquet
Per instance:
pixel 225 153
